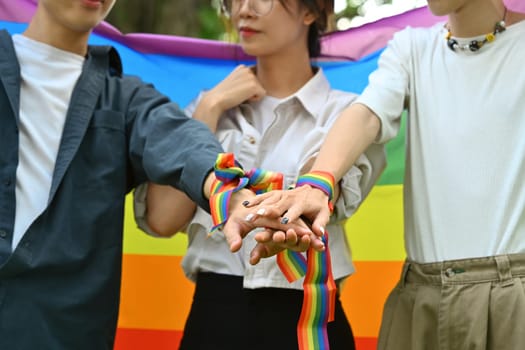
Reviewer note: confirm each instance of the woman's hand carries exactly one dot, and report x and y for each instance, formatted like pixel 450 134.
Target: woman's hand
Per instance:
pixel 239 86
pixel 304 202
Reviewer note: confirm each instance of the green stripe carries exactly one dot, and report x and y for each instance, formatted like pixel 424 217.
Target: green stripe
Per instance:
pixel 395 150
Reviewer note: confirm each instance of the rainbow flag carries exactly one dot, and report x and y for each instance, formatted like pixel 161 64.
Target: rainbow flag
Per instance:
pixel 156 296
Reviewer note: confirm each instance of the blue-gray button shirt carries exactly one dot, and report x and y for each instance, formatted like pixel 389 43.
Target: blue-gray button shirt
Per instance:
pixel 60 288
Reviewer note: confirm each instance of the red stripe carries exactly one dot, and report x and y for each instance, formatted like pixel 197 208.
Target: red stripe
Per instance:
pixel 140 339
pixel 366 343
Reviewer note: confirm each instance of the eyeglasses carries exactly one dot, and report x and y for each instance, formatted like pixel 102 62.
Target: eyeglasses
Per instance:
pixel 258 7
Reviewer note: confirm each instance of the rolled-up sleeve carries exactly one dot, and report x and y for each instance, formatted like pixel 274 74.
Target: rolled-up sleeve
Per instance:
pixel 388 88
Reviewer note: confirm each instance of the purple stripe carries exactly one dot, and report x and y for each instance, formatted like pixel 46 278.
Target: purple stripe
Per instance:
pixel 357 42
pixel 353 43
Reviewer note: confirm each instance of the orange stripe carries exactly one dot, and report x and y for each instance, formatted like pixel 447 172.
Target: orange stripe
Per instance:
pixel 155 293
pixel 365 293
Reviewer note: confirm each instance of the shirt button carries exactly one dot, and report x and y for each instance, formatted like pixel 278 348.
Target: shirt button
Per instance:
pixel 251 140
pixel 3 234
pixel 7 182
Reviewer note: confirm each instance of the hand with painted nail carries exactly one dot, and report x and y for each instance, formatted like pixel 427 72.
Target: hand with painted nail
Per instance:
pixel 287 206
pixel 271 242
pixel 242 220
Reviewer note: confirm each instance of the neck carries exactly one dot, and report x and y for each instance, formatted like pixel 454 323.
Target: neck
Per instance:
pixel 282 76
pixel 476 18
pixel 43 30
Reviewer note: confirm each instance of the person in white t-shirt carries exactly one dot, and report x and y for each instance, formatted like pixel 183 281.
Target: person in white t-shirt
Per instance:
pixel 463 83
pixel 272 116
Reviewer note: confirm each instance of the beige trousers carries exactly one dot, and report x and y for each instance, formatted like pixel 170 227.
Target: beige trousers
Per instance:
pixel 468 304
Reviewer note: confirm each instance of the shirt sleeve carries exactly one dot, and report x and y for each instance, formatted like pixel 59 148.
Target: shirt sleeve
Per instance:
pixel 167 146
pixel 140 208
pixel 357 183
pixel 388 87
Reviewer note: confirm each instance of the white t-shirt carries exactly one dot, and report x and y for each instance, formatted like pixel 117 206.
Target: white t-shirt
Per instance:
pixel 465 172
pixel 295 129
pixel 48 77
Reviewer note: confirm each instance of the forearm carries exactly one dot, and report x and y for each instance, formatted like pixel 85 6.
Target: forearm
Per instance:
pixel 208 110
pixel 168 209
pixel 355 129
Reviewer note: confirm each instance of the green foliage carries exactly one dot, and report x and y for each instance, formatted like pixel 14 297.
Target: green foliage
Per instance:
pixel 211 25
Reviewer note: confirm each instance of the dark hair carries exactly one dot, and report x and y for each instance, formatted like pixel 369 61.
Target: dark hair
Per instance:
pixel 324 10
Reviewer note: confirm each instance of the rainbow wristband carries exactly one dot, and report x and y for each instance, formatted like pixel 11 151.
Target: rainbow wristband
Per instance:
pixel 322 180
pixel 231 178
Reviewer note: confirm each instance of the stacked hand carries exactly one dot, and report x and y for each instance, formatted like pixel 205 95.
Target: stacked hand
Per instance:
pixel 292 219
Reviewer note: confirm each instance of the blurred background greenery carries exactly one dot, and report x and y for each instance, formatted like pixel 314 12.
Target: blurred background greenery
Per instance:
pixel 198 18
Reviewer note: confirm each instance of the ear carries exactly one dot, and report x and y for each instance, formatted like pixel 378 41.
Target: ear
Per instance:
pixel 309 18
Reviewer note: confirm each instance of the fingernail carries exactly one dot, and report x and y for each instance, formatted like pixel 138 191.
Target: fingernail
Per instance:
pixel 284 221
pixel 245 203
pixel 261 211
pixel 249 217
pixel 322 230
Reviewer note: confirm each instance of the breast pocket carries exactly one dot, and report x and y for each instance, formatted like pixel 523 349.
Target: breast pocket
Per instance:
pixel 101 161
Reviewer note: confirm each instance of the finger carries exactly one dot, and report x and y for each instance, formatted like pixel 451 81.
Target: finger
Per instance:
pixel 280 237
pixel 234 230
pixel 320 222
pixel 317 244
pixel 264 236
pixel 303 244
pixel 293 213
pixel 257 199
pixel 257 253
pixel 261 251
pixel 292 237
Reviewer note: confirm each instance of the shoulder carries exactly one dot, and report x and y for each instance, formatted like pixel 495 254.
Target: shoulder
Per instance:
pixel 418 36
pixel 341 99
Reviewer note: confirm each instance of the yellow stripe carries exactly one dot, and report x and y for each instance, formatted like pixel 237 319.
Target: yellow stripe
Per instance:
pixel 137 242
pixel 375 231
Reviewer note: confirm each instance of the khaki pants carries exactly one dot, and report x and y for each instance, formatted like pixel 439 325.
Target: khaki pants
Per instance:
pixel 468 304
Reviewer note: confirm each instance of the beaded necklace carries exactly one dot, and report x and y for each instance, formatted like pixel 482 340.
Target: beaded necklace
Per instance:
pixel 475 45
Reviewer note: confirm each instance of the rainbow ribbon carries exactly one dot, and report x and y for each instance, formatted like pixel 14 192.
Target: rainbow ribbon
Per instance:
pixel 261 181
pixel 319 293
pixel 322 180
pixel 231 178
pixel 318 285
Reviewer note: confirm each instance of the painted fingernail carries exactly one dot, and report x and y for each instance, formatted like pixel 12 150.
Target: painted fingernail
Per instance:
pixel 322 230
pixel 261 211
pixel 249 217
pixel 284 221
pixel 245 203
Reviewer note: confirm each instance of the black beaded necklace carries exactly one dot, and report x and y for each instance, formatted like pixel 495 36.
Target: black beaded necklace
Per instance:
pixel 475 45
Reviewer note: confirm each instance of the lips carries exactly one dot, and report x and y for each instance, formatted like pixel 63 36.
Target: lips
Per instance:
pixel 247 31
pixel 94 4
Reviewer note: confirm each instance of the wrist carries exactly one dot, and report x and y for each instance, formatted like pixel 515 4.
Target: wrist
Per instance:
pixel 321 180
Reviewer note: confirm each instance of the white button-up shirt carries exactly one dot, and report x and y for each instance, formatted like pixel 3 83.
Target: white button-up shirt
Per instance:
pixel 292 135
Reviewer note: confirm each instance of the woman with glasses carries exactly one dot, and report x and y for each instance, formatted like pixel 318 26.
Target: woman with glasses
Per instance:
pixel 273 116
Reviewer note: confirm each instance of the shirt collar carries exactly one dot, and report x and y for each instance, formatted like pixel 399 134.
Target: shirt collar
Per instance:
pixel 314 93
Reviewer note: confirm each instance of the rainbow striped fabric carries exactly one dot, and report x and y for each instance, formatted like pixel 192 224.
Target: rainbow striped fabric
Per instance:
pixel 156 296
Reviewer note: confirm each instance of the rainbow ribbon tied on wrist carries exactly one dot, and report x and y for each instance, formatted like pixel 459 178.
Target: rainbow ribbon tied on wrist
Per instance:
pixel 319 285
pixel 231 178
